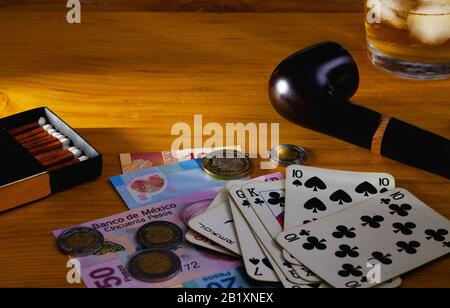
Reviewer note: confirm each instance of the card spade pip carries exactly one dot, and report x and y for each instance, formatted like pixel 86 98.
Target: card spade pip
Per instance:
pixel 371 242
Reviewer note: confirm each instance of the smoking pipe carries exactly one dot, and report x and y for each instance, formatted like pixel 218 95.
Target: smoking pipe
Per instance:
pixel 313 88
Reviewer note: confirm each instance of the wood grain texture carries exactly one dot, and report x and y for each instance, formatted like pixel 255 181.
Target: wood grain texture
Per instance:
pixel 194 5
pixel 123 79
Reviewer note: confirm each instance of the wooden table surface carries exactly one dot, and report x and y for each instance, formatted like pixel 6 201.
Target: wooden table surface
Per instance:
pixel 123 80
pixel 193 5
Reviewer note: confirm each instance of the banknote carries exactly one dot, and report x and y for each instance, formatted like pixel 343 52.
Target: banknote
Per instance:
pixel 230 279
pixel 132 162
pixel 165 182
pixel 108 267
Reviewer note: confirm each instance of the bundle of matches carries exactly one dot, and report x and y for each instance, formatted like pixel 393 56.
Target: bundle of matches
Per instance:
pixel 47 145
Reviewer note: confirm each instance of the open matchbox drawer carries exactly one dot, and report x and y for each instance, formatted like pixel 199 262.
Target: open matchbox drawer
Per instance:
pixel 23 179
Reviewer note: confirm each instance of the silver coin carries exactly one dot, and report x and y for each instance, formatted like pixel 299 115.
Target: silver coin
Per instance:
pixel 288 154
pixel 154 265
pixel 81 241
pixel 227 164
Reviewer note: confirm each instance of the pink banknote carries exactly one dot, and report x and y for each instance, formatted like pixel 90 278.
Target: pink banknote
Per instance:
pixel 132 162
pixel 109 266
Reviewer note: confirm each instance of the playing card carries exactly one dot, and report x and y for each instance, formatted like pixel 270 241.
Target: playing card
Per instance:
pixel 371 242
pixel 286 283
pixel 390 284
pixel 289 258
pixel 221 197
pixel 269 207
pixel 201 241
pixel 268 202
pixel 256 261
pixel 264 236
pixel 313 193
pixel 198 239
pixel 217 223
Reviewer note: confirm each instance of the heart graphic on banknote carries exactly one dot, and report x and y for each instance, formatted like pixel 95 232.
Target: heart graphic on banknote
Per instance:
pixel 142 188
pixel 151 185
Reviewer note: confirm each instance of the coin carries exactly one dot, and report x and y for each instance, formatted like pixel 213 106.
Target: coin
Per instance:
pixel 288 154
pixel 80 242
pixel 154 265
pixel 227 164
pixel 159 235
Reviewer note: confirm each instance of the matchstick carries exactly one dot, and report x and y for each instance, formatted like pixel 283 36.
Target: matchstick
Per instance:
pixel 15 131
pixel 44 141
pixel 67 163
pixel 55 145
pixel 33 132
pixel 51 153
pixel 41 135
pixel 49 137
pixel 63 156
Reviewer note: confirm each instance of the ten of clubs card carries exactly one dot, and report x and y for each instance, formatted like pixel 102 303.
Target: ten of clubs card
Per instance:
pixel 371 242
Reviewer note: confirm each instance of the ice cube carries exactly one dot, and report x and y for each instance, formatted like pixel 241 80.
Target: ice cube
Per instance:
pixel 402 7
pixel 430 22
pixel 390 17
pixel 394 12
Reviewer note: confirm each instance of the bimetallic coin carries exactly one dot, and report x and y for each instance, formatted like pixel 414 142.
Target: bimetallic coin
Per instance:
pixel 227 164
pixel 288 154
pixel 159 235
pixel 80 242
pixel 154 265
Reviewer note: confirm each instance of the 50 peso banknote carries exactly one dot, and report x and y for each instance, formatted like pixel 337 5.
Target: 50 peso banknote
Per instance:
pixel 108 267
